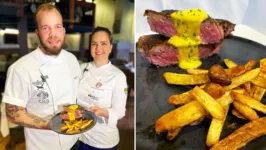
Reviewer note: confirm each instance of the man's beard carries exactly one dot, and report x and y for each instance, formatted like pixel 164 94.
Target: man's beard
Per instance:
pixel 53 50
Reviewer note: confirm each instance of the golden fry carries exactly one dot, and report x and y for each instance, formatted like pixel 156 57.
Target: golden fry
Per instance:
pixel 210 104
pixel 250 64
pixel 215 130
pixel 238 115
pixel 197 71
pixel 229 63
pixel 249 102
pixel 259 81
pixel 184 79
pixel 180 117
pixel 235 71
pixel 181 99
pixel 245 111
pixel 246 86
pixel 243 78
pixel 263 65
pixel 257 93
pixel 171 134
pixel 243 135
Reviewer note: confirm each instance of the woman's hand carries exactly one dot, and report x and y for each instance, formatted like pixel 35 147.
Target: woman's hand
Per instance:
pixel 99 111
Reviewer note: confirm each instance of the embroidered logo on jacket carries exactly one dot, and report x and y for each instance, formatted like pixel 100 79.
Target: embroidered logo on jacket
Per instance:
pixel 43 97
pixel 38 84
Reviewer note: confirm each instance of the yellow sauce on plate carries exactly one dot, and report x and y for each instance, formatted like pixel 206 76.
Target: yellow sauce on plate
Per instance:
pixel 187 24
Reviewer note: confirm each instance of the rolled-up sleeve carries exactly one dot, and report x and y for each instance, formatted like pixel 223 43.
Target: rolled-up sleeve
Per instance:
pixel 16 87
pixel 119 99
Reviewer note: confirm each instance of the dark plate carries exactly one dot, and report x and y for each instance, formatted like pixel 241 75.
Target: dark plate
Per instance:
pixel 153 92
pixel 56 122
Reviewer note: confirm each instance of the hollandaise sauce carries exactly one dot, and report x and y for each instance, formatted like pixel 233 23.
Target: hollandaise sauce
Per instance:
pixel 187 40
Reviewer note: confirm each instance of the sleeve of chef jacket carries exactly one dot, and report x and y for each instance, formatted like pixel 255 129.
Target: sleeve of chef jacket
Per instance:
pixel 16 87
pixel 119 99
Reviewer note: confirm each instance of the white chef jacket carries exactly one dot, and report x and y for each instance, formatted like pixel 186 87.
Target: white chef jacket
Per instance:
pixel 43 97
pixel 111 95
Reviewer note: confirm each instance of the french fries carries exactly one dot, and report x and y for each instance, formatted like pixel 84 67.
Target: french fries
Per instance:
pixel 75 126
pixel 245 111
pixel 238 115
pixel 181 99
pixel 257 93
pixel 197 71
pixel 215 130
pixel 249 101
pixel 210 104
pixel 215 89
pixel 171 134
pixel 180 117
pixel 237 81
pixel 184 79
pixel 229 63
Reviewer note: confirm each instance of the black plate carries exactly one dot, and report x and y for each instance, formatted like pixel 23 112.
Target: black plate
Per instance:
pixel 153 92
pixel 56 122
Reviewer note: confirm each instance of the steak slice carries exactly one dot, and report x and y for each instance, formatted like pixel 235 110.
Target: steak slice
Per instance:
pixel 160 53
pixel 211 30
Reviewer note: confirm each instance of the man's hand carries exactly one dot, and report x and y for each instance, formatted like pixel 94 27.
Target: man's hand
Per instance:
pixel 99 111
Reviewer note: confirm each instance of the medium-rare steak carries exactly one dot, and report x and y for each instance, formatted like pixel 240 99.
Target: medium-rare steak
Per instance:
pixel 211 30
pixel 160 53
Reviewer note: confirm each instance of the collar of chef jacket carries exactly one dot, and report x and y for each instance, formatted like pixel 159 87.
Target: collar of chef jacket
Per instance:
pixel 58 78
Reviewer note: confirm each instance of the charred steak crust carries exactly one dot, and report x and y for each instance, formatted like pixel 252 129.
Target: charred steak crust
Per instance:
pixel 211 30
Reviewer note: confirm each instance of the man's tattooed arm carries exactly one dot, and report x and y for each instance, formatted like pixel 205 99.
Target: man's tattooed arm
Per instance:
pixel 19 115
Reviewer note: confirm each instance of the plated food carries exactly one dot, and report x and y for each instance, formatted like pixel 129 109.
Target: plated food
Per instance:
pixel 73 120
pixel 215 89
pixel 184 37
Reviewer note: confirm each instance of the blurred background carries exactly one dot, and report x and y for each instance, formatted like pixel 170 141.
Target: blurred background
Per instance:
pixel 80 17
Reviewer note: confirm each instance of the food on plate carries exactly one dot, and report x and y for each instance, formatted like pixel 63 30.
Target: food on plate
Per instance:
pixel 180 117
pixel 249 101
pixel 76 126
pixel 257 93
pixel 218 75
pixel 243 135
pixel 184 79
pixel 210 104
pixel 171 134
pixel 215 130
pixel 210 30
pixel 238 115
pixel 211 97
pixel 245 111
pixel 73 121
pixel 248 76
pixel 190 35
pixel 159 52
pixel 215 90
pixel 72 112
pixel 181 99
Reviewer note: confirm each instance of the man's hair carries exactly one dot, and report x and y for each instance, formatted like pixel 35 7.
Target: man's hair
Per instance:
pixel 46 7
pixel 97 29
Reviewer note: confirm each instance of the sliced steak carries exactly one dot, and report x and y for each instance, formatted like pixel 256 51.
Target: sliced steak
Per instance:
pixel 211 30
pixel 160 53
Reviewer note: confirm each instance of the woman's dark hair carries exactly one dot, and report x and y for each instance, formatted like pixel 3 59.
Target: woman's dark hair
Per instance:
pixel 97 29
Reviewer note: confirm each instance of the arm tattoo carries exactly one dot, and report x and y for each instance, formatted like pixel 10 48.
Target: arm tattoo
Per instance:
pixel 24 124
pixel 12 111
pixel 36 119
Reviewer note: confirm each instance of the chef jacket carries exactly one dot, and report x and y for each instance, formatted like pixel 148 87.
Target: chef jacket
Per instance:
pixel 105 87
pixel 42 84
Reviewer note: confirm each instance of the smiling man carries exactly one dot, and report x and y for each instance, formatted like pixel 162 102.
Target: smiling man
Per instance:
pixel 39 83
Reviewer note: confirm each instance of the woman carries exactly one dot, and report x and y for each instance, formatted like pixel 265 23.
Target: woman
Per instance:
pixel 103 89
